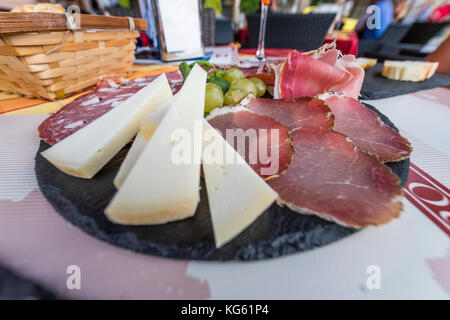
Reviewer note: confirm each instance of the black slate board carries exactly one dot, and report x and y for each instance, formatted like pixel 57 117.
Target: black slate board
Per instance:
pixel 375 86
pixel 279 231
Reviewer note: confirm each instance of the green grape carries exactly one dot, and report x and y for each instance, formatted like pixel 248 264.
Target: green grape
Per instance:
pixel 224 85
pixel 260 86
pixel 233 74
pixel 213 97
pixel 234 97
pixel 245 85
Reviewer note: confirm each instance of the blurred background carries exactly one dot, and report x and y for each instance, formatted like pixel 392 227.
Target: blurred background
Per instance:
pixel 404 29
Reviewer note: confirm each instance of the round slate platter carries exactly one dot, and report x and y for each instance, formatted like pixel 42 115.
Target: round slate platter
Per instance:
pixel 277 232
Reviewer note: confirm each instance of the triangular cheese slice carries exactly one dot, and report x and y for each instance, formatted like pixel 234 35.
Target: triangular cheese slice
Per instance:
pixel 86 151
pixel 128 163
pixel 163 185
pixel 149 123
pixel 237 195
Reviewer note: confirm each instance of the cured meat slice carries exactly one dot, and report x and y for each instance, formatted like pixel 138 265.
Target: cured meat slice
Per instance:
pixel 352 87
pixel 331 178
pixel 267 78
pixel 293 113
pixel 263 72
pixel 250 70
pixel 85 109
pixel 312 73
pixel 365 128
pixel 302 75
pixel 262 141
pixel 329 56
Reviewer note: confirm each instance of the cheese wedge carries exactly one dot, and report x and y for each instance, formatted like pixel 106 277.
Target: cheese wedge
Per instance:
pixel 237 196
pixel 85 152
pixel 163 185
pixel 132 156
pixel 149 123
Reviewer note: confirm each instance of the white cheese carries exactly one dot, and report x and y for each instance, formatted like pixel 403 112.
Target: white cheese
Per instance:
pixel 85 152
pixel 132 156
pixel 149 123
pixel 160 188
pixel 237 196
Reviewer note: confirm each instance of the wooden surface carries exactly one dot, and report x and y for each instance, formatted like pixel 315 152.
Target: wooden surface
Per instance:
pixel 11 22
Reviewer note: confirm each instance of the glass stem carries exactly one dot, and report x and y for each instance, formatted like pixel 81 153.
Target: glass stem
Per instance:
pixel 262 32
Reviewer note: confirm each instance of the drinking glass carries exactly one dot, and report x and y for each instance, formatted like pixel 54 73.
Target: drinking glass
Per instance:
pixel 260 54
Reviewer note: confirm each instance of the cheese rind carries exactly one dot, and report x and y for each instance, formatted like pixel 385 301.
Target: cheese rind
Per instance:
pixel 237 195
pixel 159 189
pixel 86 151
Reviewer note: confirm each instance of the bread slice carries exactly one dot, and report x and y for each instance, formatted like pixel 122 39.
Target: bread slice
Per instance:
pixel 409 70
pixel 40 7
pixel 366 63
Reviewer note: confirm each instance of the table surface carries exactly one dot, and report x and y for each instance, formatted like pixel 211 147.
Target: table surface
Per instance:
pixel 412 253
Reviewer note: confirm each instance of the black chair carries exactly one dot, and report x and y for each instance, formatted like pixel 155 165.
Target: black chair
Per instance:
pixel 394 34
pixel 224 32
pixel 208 19
pixel 401 42
pixel 291 31
pixel 421 32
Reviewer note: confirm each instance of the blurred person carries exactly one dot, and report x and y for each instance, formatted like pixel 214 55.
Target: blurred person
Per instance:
pixel 440 13
pixel 381 18
pixel 441 55
pixel 401 9
pixel 426 10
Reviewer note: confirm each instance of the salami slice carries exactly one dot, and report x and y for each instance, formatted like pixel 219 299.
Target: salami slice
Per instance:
pixel 331 178
pixel 85 109
pixel 262 141
pixel 365 128
pixel 294 113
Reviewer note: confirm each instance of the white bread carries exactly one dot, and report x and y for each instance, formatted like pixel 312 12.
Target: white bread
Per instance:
pixel 40 7
pixel 409 70
pixel 366 63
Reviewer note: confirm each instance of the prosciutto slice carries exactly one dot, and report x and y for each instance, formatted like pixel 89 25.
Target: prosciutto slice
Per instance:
pixel 332 179
pixel 302 75
pixel 262 141
pixel 352 87
pixel 293 113
pixel 313 73
pixel 365 128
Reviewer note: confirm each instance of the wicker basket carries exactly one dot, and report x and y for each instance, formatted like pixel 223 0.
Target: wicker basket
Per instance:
pixel 51 64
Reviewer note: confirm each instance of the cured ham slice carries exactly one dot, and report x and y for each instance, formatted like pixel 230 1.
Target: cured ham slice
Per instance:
pixel 267 78
pixel 329 56
pixel 293 113
pixel 365 128
pixel 332 179
pixel 302 75
pixel 262 141
pixel 352 87
pixel 87 108
pixel 313 73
